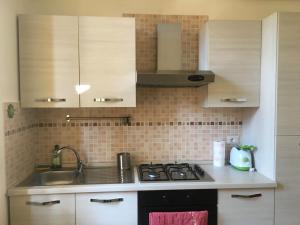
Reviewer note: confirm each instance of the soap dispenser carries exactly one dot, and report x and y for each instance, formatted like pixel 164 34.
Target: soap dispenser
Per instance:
pixel 56 158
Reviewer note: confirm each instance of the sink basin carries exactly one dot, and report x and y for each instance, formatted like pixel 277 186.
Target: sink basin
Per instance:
pixel 49 178
pixel 56 178
pixel 102 175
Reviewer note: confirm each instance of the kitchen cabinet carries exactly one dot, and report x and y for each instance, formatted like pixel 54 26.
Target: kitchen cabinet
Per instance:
pixel 246 206
pixel 64 209
pixel 107 61
pixel 287 194
pixel 106 208
pixel 231 49
pixel 43 209
pixel 276 124
pixel 288 67
pixel 64 56
pixel 48 61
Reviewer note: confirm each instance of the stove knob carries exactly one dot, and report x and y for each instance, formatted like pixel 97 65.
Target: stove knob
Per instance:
pixel 187 196
pixel 164 196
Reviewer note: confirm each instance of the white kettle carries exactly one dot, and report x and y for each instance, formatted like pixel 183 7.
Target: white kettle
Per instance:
pixel 240 159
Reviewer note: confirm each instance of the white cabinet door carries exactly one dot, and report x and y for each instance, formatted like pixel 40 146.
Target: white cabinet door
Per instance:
pixel 288 74
pixel 107 61
pixel 246 207
pixel 42 210
pixel 287 195
pixel 106 208
pixel 48 53
pixel 231 49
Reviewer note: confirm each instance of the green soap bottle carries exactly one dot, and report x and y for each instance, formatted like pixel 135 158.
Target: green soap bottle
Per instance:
pixel 56 158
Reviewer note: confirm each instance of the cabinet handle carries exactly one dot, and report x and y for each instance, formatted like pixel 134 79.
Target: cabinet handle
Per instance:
pixel 238 100
pixel 43 203
pixel 50 100
pixel 107 200
pixel 247 196
pixel 108 99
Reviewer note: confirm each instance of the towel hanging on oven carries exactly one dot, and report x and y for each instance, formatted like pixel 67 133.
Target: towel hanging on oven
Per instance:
pixel 179 218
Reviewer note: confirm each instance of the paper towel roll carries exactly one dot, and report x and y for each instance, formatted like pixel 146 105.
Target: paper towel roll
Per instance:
pixel 219 153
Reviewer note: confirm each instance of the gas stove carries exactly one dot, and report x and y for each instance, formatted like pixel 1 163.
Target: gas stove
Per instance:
pixel 172 172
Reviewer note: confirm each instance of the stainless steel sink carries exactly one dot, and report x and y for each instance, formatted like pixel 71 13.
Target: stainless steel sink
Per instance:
pixel 101 175
pixel 56 178
pixel 49 178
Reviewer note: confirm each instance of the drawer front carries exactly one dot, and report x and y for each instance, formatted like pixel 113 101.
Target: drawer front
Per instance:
pixel 43 210
pixel 246 207
pixel 106 208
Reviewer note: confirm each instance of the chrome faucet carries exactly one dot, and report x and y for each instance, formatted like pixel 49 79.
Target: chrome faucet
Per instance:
pixel 80 163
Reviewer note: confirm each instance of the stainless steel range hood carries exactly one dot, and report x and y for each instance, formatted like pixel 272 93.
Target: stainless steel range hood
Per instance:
pixel 169 65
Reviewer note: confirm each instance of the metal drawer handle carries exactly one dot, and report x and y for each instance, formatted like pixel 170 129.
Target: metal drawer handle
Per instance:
pixel 241 100
pixel 107 200
pixel 247 196
pixel 108 100
pixel 43 203
pixel 50 100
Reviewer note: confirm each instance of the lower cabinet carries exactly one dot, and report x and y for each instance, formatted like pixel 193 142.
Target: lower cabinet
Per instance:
pixel 246 207
pixel 235 207
pixel 42 210
pixel 119 208
pixel 287 195
pixel 115 208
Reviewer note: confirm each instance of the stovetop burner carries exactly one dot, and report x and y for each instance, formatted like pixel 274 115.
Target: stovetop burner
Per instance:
pixel 172 172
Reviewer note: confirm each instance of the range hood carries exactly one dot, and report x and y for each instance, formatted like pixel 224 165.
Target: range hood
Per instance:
pixel 169 66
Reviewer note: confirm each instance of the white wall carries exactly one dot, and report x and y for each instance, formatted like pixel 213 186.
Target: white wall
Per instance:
pixel 216 9
pixel 259 125
pixel 8 82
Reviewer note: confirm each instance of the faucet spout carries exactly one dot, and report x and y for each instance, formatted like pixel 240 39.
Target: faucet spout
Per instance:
pixel 80 163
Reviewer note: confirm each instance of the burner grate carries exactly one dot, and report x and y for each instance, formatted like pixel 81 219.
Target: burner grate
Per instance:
pixel 172 172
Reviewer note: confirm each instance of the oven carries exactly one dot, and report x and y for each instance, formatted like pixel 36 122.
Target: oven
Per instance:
pixel 177 201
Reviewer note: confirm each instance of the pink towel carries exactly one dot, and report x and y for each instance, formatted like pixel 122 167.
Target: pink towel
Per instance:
pixel 178 218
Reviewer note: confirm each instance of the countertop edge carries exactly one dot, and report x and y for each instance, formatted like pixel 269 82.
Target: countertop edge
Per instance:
pixel 225 178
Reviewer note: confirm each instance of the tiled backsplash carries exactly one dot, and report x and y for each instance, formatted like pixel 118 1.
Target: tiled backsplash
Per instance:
pixel 167 124
pixel 146 36
pixel 20 144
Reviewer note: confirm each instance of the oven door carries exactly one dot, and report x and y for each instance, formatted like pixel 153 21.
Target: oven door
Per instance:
pixel 177 201
pixel 144 212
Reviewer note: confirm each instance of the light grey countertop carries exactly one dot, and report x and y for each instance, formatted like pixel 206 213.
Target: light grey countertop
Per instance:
pixel 224 178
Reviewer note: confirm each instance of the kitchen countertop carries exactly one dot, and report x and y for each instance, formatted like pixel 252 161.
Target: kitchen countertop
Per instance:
pixel 225 178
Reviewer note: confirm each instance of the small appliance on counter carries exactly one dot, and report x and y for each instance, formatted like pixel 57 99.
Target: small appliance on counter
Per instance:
pixel 241 157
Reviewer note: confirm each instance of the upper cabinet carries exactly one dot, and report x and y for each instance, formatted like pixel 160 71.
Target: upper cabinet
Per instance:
pixel 288 69
pixel 48 58
pixel 107 61
pixel 64 56
pixel 231 49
